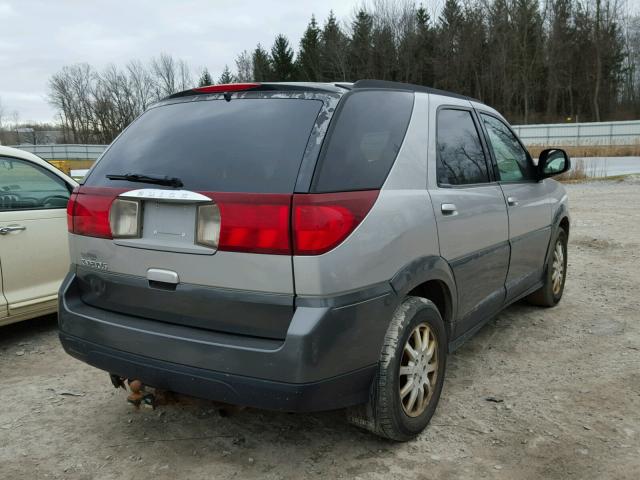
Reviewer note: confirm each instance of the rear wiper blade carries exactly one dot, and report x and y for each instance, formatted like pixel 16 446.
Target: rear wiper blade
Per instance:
pixel 153 179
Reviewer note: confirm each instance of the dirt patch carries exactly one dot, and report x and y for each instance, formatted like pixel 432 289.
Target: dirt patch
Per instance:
pixel 595 243
pixel 565 384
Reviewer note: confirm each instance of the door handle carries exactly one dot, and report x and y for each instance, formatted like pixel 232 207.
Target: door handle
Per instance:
pixel 448 209
pixel 512 201
pixel 6 230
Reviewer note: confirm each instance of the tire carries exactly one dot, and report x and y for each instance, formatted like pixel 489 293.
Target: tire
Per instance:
pixel 549 294
pixel 386 414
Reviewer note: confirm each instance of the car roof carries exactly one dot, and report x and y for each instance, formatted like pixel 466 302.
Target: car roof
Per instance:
pixel 334 87
pixel 343 87
pixel 385 84
pixel 30 157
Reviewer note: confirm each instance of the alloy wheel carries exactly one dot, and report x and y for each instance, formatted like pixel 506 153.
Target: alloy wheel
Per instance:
pixel 557 268
pixel 418 370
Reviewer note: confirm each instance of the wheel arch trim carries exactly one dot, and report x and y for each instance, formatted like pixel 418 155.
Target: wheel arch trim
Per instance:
pixel 561 213
pixel 422 270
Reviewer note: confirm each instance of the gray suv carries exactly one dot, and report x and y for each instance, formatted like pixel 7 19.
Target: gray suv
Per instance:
pixel 305 247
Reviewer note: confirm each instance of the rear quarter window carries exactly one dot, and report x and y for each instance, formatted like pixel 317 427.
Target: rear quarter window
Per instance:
pixel 363 142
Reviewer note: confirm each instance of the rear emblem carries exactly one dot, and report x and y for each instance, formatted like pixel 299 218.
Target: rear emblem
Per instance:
pixel 94 264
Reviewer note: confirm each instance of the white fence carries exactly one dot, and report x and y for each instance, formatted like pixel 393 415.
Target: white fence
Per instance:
pixel 555 134
pixel 580 134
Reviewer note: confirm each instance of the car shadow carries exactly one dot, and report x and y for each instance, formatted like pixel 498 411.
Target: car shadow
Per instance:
pixel 28 330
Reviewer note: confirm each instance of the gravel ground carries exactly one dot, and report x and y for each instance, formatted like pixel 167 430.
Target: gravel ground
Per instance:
pixel 568 379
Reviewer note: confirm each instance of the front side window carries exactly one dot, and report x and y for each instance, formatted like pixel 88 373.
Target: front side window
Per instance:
pixel 460 159
pixel 28 187
pixel 513 161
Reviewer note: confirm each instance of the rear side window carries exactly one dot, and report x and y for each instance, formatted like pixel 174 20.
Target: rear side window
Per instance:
pixel 460 159
pixel 364 141
pixel 244 145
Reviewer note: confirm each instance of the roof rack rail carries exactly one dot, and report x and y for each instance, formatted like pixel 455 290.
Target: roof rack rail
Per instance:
pixel 385 84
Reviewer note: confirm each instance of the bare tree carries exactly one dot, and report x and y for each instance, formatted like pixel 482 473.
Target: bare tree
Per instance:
pixel 164 72
pixel 97 106
pixel 170 75
pixel 142 85
pixel 244 67
pixel 185 80
pixel 71 92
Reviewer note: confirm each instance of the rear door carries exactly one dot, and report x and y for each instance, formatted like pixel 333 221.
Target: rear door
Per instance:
pixel 470 211
pixel 236 162
pixel 33 236
pixel 528 206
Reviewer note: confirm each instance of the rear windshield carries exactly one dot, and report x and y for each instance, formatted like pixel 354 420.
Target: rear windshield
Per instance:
pixel 364 140
pixel 244 145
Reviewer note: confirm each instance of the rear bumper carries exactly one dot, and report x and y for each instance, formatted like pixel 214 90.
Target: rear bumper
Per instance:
pixel 327 360
pixel 333 393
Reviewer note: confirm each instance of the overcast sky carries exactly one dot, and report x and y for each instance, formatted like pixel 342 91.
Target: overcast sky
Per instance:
pixel 37 38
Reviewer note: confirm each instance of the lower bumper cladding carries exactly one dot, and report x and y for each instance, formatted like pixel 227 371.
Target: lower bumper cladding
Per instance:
pixel 337 392
pixel 316 366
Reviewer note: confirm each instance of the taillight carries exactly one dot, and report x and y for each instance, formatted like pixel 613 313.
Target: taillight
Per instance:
pixel 280 224
pixel 321 221
pixel 71 205
pixel 263 223
pixel 254 222
pixel 88 211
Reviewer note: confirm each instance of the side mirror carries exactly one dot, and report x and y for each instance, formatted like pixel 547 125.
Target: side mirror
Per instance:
pixel 553 161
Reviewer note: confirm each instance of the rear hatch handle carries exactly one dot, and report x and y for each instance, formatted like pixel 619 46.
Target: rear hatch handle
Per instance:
pixel 162 279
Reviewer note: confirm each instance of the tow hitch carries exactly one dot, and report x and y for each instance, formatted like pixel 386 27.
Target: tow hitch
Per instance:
pixel 138 396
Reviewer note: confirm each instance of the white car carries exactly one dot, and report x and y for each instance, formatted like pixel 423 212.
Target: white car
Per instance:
pixel 34 255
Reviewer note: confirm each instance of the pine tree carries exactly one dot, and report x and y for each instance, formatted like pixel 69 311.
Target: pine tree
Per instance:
pixel 451 16
pixel 227 76
pixel 308 61
pixel 361 46
pixel 205 78
pixel 559 49
pixel 424 47
pixel 527 29
pixel 499 70
pixel 408 64
pixel 262 70
pixel 449 43
pixel 283 67
pixel 333 55
pixel 385 60
pixel 472 52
